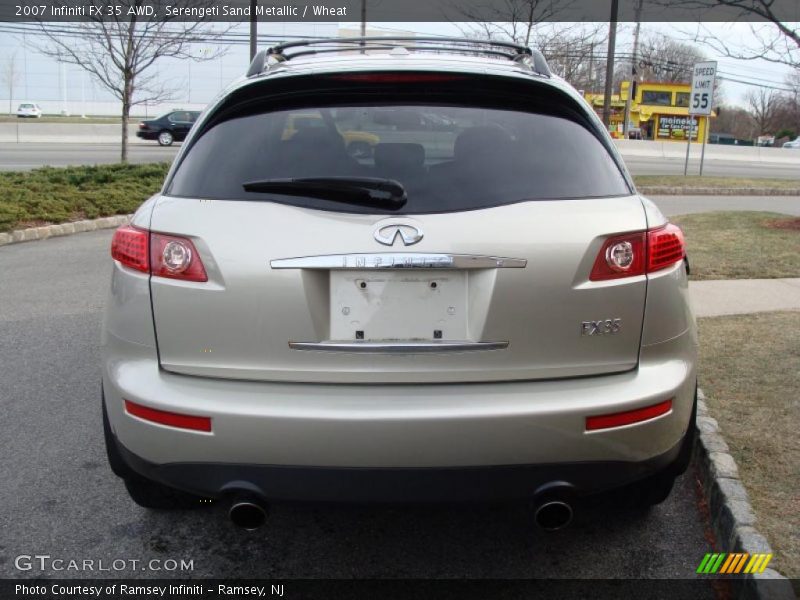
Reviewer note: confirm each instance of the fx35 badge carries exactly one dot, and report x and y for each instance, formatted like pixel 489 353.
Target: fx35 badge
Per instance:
pixel 605 327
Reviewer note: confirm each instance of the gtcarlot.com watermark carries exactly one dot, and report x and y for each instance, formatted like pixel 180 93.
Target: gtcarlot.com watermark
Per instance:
pixel 45 563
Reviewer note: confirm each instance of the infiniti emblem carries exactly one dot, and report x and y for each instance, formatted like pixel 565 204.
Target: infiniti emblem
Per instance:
pixel 387 235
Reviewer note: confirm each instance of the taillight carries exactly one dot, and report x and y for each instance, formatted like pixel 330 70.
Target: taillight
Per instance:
pixel 397 77
pixel 142 125
pixel 175 257
pixel 620 256
pixel 639 253
pixel 665 247
pixel 157 253
pixel 129 247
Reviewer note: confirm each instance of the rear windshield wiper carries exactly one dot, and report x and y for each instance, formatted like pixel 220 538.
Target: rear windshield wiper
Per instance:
pixel 370 191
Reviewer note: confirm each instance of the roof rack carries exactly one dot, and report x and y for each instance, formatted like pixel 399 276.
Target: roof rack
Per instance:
pixel 509 50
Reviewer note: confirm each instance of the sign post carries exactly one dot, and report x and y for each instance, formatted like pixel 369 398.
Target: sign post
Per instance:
pixel 703 151
pixel 701 99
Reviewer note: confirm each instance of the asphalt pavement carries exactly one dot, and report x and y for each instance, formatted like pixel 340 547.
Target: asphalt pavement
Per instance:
pixel 59 497
pixel 682 205
pixel 33 155
pixel 21 157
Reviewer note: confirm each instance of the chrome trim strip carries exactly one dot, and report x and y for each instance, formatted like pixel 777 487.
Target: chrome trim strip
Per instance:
pixel 398 347
pixel 399 260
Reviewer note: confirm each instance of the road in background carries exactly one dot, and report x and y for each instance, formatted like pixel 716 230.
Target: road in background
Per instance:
pixel 681 205
pixel 645 165
pixel 29 156
pixel 60 498
pixel 22 157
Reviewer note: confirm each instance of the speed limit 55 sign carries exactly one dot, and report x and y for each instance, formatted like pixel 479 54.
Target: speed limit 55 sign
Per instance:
pixel 702 95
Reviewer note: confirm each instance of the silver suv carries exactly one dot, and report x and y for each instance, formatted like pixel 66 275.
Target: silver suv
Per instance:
pixel 398 275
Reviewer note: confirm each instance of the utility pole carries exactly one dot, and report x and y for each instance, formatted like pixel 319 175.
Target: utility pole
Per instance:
pixel 64 111
pixel 253 29
pixel 363 22
pixel 634 58
pixel 612 45
pixel 25 62
pixel 83 94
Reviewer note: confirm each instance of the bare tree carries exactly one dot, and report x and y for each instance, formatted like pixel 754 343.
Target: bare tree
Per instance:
pixel 773 37
pixel 10 76
pixel 763 107
pixel 734 120
pixel 575 52
pixel 120 50
pixel 514 20
pixel 787 118
pixel 664 59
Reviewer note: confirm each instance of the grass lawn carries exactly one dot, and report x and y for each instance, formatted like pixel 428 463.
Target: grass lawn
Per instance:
pixel 750 372
pixel 695 181
pixel 56 195
pixel 741 245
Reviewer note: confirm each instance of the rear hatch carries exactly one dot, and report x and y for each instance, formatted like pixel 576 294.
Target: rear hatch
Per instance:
pixel 481 274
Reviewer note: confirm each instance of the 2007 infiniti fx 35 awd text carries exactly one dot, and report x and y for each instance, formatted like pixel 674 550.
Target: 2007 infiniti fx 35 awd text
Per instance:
pixel 477 306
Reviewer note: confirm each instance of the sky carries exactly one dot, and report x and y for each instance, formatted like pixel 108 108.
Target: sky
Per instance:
pixel 43 80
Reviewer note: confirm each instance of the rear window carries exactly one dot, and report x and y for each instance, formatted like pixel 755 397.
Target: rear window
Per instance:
pixel 447 157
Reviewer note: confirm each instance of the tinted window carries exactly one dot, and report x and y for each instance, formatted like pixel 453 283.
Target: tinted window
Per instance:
pixel 682 99
pixel 659 98
pixel 447 157
pixel 180 117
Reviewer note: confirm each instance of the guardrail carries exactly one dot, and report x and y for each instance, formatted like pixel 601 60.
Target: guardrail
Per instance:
pixel 647 148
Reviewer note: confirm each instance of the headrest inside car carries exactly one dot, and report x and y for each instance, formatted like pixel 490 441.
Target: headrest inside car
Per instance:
pixel 400 155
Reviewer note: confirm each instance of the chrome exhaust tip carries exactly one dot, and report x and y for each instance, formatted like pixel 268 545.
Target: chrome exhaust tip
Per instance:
pixel 248 512
pixel 553 515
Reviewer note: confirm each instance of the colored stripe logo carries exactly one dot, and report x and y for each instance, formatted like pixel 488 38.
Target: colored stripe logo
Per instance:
pixel 733 563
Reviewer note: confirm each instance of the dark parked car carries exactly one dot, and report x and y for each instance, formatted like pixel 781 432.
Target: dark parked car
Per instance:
pixel 168 128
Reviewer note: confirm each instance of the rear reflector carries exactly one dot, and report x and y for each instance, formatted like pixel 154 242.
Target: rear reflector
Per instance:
pixel 168 418
pixel 628 417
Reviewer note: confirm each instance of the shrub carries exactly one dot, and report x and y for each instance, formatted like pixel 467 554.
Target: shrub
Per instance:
pixel 56 195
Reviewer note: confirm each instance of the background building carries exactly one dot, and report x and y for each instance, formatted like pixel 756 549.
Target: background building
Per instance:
pixel 659 111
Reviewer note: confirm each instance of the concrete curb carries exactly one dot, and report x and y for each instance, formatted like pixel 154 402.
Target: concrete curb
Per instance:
pixel 47 231
pixel 663 190
pixel 732 517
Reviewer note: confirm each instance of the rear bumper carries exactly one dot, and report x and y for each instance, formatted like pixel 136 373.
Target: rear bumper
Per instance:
pixel 147 135
pixel 339 484
pixel 292 439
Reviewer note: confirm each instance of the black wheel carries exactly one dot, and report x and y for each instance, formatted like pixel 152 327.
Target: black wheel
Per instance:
pixel 115 461
pixel 146 493
pixel 651 491
pixel 149 494
pixel 165 138
pixel 655 489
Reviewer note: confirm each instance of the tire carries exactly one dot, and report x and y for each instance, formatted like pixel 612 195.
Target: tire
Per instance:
pixel 653 490
pixel 165 138
pixel 149 494
pixel 144 492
